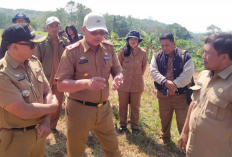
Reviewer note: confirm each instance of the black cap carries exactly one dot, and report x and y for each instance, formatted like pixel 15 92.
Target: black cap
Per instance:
pixel 21 15
pixel 20 32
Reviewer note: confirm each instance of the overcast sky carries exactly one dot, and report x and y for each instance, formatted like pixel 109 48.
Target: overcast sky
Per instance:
pixel 194 15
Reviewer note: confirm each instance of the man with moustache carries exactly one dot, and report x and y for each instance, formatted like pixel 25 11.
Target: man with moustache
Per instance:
pixel 172 78
pixel 49 53
pixel 208 126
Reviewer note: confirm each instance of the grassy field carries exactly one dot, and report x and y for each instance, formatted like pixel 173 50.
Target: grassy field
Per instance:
pixel 145 144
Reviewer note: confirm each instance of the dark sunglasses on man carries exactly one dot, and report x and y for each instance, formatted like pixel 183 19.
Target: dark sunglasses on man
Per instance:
pixel 32 45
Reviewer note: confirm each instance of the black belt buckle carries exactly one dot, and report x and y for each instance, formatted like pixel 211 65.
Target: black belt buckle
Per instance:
pixel 92 104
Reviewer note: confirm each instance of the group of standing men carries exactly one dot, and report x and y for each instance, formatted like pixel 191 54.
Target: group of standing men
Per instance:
pixel 29 111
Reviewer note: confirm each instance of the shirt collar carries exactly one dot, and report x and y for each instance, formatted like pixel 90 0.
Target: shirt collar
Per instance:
pixel 58 38
pixel 86 45
pixel 14 63
pixel 135 51
pixel 225 72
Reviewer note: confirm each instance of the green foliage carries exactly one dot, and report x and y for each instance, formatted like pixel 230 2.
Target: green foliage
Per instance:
pixel 181 32
pixel 150 43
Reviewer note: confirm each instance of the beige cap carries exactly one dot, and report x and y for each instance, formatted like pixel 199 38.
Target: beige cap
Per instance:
pixel 51 20
pixel 94 21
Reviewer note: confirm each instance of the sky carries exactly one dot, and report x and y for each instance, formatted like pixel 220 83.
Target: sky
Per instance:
pixel 195 15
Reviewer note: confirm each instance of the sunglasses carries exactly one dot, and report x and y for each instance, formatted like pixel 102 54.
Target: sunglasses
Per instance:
pixel 95 33
pixel 31 45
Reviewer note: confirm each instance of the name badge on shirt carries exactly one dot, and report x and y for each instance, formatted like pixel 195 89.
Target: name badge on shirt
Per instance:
pixel 83 62
pixel 20 78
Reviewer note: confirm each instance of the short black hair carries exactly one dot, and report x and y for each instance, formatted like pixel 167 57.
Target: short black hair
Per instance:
pixel 222 43
pixel 167 36
pixel 61 32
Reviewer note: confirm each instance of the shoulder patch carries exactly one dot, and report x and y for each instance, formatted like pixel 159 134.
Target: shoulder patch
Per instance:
pixel 72 46
pixel 107 42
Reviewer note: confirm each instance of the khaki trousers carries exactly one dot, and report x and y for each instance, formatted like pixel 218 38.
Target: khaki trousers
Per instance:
pixel 80 119
pixel 132 98
pixel 15 143
pixel 55 116
pixel 167 105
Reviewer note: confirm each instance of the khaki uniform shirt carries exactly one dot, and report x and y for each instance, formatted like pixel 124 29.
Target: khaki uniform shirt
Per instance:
pixel 210 122
pixel 170 73
pixel 134 67
pixel 45 53
pixel 83 63
pixel 16 77
pixel 55 60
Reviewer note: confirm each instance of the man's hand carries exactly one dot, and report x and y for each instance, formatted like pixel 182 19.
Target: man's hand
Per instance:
pixel 117 82
pixel 170 92
pixel 96 83
pixel 44 129
pixel 54 103
pixel 182 142
pixel 170 85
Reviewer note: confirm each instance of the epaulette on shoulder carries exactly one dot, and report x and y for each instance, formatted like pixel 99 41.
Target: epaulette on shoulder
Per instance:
pixel 72 46
pixel 107 42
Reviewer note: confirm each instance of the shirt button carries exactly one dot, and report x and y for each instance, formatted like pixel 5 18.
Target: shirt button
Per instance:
pixel 174 69
pixel 195 118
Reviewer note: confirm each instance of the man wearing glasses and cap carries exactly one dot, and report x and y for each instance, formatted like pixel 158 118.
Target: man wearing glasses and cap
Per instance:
pixel 49 53
pixel 19 18
pixel 83 73
pixel 25 97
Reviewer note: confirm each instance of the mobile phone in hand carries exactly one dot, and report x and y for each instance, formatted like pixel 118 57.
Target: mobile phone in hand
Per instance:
pixel 165 92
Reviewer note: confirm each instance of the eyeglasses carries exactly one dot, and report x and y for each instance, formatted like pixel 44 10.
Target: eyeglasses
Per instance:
pixel 95 33
pixel 31 45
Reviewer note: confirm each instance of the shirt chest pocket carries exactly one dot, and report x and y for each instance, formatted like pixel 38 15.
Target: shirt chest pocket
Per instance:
pixel 216 107
pixel 84 71
pixel 126 64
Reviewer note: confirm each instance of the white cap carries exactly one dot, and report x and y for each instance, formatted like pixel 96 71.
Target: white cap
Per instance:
pixel 94 21
pixel 51 20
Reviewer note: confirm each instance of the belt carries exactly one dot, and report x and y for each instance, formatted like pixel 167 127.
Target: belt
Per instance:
pixel 25 129
pixel 92 104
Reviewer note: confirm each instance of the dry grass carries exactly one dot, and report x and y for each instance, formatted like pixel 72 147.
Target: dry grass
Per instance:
pixel 142 145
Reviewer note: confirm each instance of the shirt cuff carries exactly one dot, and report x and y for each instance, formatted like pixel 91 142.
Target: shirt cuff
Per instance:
pixel 163 81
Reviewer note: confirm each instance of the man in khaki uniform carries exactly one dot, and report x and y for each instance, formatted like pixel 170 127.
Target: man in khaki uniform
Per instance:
pixel 208 126
pixel 49 53
pixel 172 78
pixel 83 73
pixel 25 96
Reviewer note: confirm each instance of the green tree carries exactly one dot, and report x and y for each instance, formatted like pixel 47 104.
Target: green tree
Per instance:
pixel 181 32
pixel 33 24
pixel 82 10
pixel 71 10
pixel 213 29
pixel 150 43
